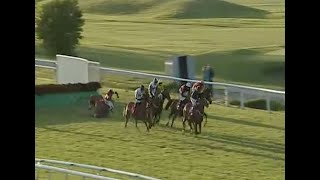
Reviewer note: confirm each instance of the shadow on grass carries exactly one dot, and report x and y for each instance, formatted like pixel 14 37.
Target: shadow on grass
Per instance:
pixel 231 140
pixel 244 122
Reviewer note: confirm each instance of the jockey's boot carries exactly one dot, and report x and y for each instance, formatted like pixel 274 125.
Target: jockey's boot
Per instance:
pixel 191 110
pixel 179 106
pixel 134 108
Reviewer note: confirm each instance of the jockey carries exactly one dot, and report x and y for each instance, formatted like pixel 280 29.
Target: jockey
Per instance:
pixel 138 93
pixel 153 87
pixel 108 99
pixel 198 85
pixel 184 91
pixel 197 89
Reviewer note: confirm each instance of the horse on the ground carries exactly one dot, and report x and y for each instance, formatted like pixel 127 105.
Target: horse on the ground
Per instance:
pixel 101 109
pixel 93 98
pixel 194 117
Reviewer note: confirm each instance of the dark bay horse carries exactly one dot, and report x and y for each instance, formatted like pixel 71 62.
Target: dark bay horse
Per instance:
pixel 194 117
pixel 173 104
pixel 158 104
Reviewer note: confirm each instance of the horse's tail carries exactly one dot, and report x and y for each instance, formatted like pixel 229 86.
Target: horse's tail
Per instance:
pixel 168 104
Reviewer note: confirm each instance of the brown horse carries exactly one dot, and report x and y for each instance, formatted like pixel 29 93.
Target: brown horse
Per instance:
pixel 143 112
pixel 173 104
pixel 101 109
pixel 94 98
pixel 195 117
pixel 158 104
pixel 174 112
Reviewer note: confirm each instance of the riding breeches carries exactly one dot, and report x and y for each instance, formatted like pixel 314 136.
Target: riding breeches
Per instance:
pixel 193 101
pixel 110 104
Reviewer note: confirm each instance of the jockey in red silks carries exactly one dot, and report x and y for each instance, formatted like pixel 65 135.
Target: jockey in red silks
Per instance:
pixel 184 91
pixel 108 99
pixel 197 89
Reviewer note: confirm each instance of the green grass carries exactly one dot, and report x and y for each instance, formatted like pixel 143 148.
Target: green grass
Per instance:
pixel 243 40
pixel 236 144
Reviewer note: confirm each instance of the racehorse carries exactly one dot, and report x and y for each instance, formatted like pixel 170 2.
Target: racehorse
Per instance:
pixel 173 104
pixel 143 112
pixel 194 117
pixel 158 104
pixel 94 98
pixel 101 109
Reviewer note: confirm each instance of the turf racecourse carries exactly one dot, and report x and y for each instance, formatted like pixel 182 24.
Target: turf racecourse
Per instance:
pixel 236 144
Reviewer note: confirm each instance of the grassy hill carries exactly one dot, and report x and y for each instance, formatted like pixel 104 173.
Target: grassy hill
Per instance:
pixel 237 37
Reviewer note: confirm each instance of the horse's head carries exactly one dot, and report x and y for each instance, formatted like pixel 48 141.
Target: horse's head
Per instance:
pixel 204 102
pixel 207 94
pixel 165 94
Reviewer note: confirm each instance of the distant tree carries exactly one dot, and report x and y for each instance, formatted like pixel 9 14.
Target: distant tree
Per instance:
pixel 59 26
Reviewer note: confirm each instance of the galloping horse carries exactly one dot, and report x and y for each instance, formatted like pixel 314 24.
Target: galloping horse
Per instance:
pixel 173 104
pixel 195 117
pixel 174 112
pixel 159 101
pixel 143 112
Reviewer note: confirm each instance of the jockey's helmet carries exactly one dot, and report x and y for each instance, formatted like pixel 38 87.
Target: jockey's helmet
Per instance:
pixel 188 84
pixel 155 80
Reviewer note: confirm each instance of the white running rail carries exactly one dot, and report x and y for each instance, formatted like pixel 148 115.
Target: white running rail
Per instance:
pixel 38 163
pixel 228 88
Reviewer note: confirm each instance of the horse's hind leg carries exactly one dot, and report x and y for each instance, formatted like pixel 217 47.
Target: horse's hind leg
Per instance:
pixel 173 118
pixel 184 123
pixel 190 125
pixel 169 118
pixel 125 124
pixel 200 127
pixel 205 122
pixel 145 122
pixel 196 128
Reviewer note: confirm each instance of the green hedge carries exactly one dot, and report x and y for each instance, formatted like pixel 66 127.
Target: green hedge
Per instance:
pixel 66 88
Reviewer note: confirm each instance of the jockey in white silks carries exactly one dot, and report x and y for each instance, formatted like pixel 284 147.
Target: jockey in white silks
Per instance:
pixel 153 87
pixel 138 94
